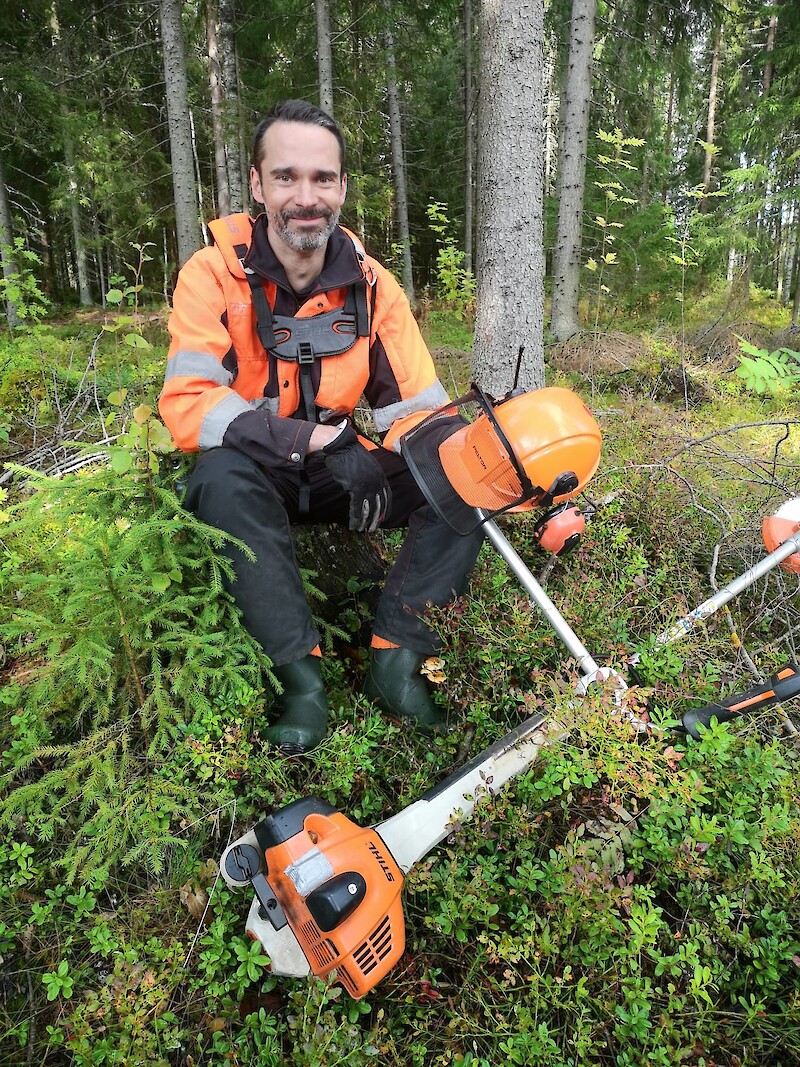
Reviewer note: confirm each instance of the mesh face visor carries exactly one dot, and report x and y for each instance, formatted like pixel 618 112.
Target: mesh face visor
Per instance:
pixel 462 461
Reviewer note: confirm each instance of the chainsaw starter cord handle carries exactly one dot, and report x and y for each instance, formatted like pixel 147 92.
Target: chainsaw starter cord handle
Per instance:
pixel 361 476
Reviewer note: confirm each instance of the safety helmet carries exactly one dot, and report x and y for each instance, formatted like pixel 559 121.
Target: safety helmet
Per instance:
pixel 528 449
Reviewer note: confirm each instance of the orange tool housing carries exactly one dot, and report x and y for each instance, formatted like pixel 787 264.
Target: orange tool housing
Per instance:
pixel 339 887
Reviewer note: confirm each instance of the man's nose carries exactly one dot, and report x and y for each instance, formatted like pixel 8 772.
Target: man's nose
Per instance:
pixel 305 193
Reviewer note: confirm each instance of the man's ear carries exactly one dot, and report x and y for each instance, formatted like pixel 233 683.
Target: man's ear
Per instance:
pixel 255 186
pixel 344 187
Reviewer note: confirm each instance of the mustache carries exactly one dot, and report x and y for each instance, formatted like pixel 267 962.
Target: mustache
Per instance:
pixel 308 213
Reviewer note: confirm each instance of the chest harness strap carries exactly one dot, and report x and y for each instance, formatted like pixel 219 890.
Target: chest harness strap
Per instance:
pixel 305 340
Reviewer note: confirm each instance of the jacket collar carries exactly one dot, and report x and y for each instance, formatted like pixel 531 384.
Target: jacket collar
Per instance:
pixel 340 269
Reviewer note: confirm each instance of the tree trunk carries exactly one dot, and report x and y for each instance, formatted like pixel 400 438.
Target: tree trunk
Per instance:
pixel 398 162
pixel 324 55
pixel 198 184
pixel 62 61
pixel 6 247
pixel 510 275
pixel 668 125
pixel 84 292
pixel 217 107
pixel 180 137
pixel 572 165
pixel 469 137
pixel 232 123
pixel 712 111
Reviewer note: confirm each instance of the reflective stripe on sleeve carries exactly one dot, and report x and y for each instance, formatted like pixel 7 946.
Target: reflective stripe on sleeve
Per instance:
pixel 428 400
pixel 219 419
pixel 197 365
pixel 266 403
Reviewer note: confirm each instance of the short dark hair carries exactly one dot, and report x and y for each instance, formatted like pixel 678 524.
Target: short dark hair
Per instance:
pixel 295 111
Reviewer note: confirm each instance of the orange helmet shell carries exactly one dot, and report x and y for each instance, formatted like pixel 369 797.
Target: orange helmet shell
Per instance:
pixel 551 431
pixel 775 529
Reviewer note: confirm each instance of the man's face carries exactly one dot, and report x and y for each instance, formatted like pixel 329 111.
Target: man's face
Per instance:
pixel 300 184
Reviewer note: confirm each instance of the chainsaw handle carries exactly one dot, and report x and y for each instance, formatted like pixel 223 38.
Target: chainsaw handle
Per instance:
pixel 782 686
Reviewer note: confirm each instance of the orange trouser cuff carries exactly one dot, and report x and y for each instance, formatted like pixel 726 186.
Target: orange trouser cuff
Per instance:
pixel 381 642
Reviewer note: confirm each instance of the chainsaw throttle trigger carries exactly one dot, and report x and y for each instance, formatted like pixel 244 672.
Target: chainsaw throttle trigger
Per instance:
pixel 336 900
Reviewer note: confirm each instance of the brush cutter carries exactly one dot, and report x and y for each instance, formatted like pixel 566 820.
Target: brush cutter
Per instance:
pixel 327 891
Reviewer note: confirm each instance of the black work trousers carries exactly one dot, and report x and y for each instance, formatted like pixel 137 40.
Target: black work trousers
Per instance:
pixel 256 504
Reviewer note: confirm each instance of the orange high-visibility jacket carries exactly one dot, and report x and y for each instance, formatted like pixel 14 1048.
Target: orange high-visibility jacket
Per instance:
pixel 221 385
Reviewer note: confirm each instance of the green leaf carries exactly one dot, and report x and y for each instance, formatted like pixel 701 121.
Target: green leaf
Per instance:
pixel 114 296
pixel 135 340
pixel 121 460
pixel 160 582
pixel 117 398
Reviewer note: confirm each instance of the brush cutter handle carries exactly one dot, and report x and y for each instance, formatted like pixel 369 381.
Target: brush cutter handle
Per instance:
pixel 782 686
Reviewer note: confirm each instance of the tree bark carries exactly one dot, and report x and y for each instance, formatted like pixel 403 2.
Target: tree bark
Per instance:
pixel 84 292
pixel 398 162
pixel 668 125
pixel 510 275
pixel 712 111
pixel 232 123
pixel 324 55
pixel 180 137
pixel 572 165
pixel 469 137
pixel 223 205
pixel 6 247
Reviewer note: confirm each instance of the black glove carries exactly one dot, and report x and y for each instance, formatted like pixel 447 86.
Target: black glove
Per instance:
pixel 362 477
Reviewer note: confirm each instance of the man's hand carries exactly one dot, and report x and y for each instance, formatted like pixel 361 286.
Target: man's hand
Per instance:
pixel 361 476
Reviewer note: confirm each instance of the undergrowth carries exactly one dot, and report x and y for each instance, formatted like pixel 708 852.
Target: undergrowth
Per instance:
pixel 627 901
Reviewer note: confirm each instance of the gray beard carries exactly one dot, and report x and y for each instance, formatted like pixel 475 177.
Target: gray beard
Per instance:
pixel 303 242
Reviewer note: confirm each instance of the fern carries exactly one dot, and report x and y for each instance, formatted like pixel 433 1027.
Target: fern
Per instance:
pixel 767 372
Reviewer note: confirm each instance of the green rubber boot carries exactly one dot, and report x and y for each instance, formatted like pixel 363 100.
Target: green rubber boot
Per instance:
pixel 396 686
pixel 303 722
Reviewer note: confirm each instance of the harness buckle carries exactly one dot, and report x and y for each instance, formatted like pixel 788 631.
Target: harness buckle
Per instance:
pixel 305 353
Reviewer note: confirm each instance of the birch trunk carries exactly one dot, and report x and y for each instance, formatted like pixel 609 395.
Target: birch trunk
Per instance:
pixel 398 162
pixel 324 55
pixel 6 246
pixel 232 123
pixel 712 111
pixel 510 253
pixel 572 167
pixel 180 137
pixel 223 205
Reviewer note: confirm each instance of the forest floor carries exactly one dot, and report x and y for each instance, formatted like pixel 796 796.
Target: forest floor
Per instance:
pixel 629 900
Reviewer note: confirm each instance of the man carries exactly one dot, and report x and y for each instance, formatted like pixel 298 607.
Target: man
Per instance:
pixel 277 330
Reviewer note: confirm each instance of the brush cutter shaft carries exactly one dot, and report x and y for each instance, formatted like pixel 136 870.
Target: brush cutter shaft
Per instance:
pixel 708 607
pixel 586 665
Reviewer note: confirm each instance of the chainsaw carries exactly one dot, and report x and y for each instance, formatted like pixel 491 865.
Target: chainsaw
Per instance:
pixel 327 892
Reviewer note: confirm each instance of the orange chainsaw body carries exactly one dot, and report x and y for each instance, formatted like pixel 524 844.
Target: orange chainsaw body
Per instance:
pixel 339 888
